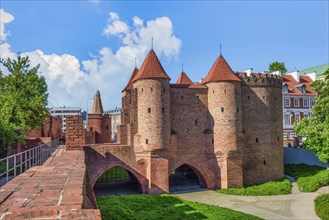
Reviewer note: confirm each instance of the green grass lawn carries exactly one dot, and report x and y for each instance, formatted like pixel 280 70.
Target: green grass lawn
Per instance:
pixel 309 178
pixel 162 207
pixel 322 206
pixel 278 187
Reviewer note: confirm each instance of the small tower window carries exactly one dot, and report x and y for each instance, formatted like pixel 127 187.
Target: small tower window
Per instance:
pixel 181 97
pixel 264 162
pixel 151 89
pixel 278 138
pixel 212 141
pixel 142 90
pixel 147 141
pixel 248 97
pixel 91 129
pixel 222 109
pixel 213 91
pixel 237 109
pixel 196 121
pixel 224 90
pixel 149 110
pixel 162 110
pixel 263 97
pixel 256 140
pixel 107 127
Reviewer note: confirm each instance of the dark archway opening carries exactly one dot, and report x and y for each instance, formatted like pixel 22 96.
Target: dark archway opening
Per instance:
pixel 186 179
pixel 117 181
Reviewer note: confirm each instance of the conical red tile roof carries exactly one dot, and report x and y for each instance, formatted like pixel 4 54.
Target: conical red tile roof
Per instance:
pixel 151 68
pixel 184 79
pixel 220 71
pixel 129 85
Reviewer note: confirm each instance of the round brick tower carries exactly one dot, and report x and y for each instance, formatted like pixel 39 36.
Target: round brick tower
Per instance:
pixel 153 108
pixel 224 103
pixel 262 121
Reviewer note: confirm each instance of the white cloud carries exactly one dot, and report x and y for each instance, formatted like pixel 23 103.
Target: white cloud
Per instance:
pixel 5 18
pixel 71 84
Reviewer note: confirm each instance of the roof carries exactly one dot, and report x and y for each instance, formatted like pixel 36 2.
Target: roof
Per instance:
pixel 97 105
pixel 319 70
pixel 151 68
pixel 129 85
pixel 220 71
pixel 293 85
pixel 184 79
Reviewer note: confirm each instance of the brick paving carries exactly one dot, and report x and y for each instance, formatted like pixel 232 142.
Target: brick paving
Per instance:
pixel 55 190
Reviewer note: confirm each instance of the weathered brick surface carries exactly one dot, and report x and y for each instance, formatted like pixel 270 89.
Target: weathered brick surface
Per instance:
pixel 55 190
pixel 74 139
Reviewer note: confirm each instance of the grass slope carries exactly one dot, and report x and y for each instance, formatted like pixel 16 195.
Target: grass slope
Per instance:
pixel 162 207
pixel 278 187
pixel 309 178
pixel 322 206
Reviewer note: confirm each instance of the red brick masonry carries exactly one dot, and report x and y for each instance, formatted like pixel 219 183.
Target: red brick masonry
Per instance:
pixel 55 190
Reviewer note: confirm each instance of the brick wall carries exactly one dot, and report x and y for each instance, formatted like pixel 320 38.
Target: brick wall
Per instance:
pixel 74 132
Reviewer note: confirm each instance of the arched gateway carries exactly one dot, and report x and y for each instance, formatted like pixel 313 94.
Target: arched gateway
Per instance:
pixel 186 178
pixel 117 181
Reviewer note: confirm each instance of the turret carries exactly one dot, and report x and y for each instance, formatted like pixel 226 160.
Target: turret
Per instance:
pixel 224 103
pixel 98 122
pixel 153 108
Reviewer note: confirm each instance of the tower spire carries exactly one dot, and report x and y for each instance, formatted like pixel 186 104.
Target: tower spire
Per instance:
pixel 182 67
pixel 152 43
pixel 135 62
pixel 220 49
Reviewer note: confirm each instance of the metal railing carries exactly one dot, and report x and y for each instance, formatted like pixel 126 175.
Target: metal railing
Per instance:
pixel 16 164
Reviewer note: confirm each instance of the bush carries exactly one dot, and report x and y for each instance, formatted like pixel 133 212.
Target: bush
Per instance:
pixel 309 177
pixel 322 206
pixel 278 187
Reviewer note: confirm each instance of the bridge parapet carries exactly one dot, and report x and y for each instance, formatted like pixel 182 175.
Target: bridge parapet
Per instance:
pixel 56 190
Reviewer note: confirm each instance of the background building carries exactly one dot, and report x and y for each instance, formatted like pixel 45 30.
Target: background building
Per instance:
pixel 63 112
pixel 315 72
pixel 297 100
pixel 116 121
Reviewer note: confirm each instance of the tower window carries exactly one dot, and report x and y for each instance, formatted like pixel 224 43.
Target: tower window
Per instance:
pixel 149 110
pixel 256 140
pixel 196 121
pixel 142 90
pixel 222 109
pixel 212 141
pixel 264 162
pixel 181 97
pixel 263 97
pixel 278 138
pixel 162 110
pixel 237 109
pixel 91 129
pixel 147 141
pixel 224 90
pixel 248 97
pixel 151 89
pixel 107 127
pixel 213 91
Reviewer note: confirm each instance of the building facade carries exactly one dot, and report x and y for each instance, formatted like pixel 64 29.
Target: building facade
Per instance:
pixel 115 122
pixel 62 112
pixel 298 98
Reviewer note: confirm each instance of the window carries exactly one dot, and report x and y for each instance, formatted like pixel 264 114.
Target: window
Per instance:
pixel 248 97
pixel 147 141
pixel 91 129
pixel 222 109
pixel 287 102
pixel 149 110
pixel 305 102
pixel 312 102
pixel 285 88
pixel 256 140
pixel 181 96
pixel 278 138
pixel 297 117
pixel 107 127
pixel 305 114
pixel 296 102
pixel 212 141
pixel 237 109
pixel 196 121
pixel 162 110
pixel 224 90
pixel 151 89
pixel 264 162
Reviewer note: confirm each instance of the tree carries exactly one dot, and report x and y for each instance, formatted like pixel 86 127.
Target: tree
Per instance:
pixel 316 128
pixel 275 66
pixel 23 100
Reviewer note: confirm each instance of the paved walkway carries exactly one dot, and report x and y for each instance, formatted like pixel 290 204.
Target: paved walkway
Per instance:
pixel 297 205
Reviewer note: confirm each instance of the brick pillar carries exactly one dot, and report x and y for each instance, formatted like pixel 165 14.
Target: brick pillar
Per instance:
pixel 74 132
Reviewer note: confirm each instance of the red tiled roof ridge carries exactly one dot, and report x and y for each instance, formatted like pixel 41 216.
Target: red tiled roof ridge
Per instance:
pixel 184 79
pixel 220 71
pixel 129 85
pixel 151 68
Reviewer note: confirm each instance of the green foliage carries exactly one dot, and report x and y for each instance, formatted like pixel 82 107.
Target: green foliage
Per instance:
pixel 275 66
pixel 322 206
pixel 23 100
pixel 114 174
pixel 309 178
pixel 278 187
pixel 162 207
pixel 316 128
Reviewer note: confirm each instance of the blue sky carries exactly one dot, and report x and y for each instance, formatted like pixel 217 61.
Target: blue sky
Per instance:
pixel 253 34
